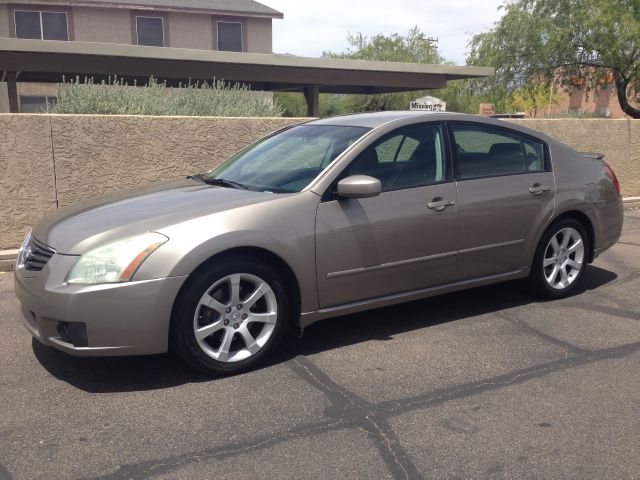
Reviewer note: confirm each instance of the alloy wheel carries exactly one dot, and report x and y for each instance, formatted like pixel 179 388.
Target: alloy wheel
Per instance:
pixel 563 258
pixel 235 317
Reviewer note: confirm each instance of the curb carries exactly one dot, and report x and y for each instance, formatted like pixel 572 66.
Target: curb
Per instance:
pixel 6 265
pixel 631 203
pixel 7 259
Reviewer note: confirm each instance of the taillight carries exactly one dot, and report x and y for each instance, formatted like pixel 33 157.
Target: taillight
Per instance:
pixel 609 171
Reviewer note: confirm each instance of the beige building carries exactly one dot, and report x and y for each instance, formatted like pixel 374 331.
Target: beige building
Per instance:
pixel 231 25
pixel 578 100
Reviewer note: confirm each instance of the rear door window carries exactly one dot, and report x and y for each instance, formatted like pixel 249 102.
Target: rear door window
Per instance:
pixel 489 152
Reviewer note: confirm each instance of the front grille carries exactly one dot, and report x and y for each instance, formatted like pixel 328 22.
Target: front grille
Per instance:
pixel 37 255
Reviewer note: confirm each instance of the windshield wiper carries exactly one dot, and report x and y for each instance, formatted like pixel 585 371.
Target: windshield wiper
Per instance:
pixel 197 177
pixel 223 182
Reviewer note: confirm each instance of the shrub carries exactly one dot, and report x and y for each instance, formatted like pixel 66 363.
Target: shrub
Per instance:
pixel 116 97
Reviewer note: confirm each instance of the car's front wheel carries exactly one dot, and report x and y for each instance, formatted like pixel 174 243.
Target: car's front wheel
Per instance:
pixel 231 316
pixel 561 259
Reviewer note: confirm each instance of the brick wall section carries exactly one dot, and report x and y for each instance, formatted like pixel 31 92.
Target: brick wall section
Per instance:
pixel 93 155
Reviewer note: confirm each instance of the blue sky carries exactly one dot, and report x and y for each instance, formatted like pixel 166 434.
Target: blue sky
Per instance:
pixel 311 27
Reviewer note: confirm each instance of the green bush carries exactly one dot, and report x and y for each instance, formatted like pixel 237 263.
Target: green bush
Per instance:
pixel 294 105
pixel 116 97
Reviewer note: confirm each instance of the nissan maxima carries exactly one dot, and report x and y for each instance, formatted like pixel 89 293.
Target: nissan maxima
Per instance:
pixel 322 219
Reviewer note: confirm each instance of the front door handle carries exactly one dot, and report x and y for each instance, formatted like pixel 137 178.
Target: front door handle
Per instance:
pixel 538 189
pixel 438 204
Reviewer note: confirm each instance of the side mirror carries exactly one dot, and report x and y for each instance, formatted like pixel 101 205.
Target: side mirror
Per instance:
pixel 359 186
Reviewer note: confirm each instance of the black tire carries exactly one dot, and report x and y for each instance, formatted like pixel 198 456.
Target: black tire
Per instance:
pixel 537 281
pixel 182 335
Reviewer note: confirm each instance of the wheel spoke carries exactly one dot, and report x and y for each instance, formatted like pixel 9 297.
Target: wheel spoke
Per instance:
pixel 249 341
pixel 549 261
pixel 554 273
pixel 566 236
pixel 573 264
pixel 573 248
pixel 214 304
pixel 564 277
pixel 234 281
pixel 204 332
pixel 223 351
pixel 555 245
pixel 257 294
pixel 269 318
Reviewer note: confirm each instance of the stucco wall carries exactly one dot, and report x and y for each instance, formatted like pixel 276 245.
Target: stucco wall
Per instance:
pixel 259 35
pixel 4 97
pixel 105 25
pixel 27 185
pixel 5 24
pixel 190 30
pixel 93 155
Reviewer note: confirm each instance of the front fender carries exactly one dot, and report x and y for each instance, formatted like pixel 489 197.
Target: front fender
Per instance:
pixel 285 228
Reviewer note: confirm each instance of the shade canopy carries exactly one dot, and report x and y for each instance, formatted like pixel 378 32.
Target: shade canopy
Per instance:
pixel 49 61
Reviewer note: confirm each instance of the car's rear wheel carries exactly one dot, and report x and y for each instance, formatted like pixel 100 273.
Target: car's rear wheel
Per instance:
pixel 561 259
pixel 230 317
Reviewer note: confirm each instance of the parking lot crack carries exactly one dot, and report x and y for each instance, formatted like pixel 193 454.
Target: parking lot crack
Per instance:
pixel 390 449
pixel 373 422
pixel 617 312
pixel 4 473
pixel 394 408
pixel 569 348
pixel 351 409
pixel 339 397
pixel 151 468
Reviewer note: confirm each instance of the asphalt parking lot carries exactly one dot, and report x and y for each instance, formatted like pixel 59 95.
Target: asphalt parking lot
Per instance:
pixel 487 383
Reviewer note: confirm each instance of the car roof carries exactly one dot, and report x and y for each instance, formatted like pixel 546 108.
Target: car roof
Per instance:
pixel 369 120
pixel 377 119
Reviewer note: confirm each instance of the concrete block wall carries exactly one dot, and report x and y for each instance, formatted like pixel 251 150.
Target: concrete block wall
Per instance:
pixel 49 161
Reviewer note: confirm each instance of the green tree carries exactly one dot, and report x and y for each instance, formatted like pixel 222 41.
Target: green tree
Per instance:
pixel 555 41
pixel 461 96
pixel 294 104
pixel 533 97
pixel 415 47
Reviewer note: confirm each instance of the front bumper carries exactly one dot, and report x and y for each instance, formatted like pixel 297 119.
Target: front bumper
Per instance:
pixel 130 318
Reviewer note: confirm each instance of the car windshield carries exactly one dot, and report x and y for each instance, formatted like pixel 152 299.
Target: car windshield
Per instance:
pixel 286 162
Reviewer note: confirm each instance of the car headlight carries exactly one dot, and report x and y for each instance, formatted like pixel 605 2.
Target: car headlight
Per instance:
pixel 115 262
pixel 22 253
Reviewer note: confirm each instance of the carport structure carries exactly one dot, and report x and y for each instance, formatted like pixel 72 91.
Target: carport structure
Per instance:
pixel 48 61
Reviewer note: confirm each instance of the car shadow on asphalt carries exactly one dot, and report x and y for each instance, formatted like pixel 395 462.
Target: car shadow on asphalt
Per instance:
pixel 127 374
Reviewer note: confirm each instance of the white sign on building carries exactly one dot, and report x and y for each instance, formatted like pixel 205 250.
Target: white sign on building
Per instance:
pixel 428 104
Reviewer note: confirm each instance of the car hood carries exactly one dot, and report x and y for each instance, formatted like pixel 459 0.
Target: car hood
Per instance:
pixel 77 229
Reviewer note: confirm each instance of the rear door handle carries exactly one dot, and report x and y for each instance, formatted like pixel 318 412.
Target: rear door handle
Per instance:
pixel 539 189
pixel 438 204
